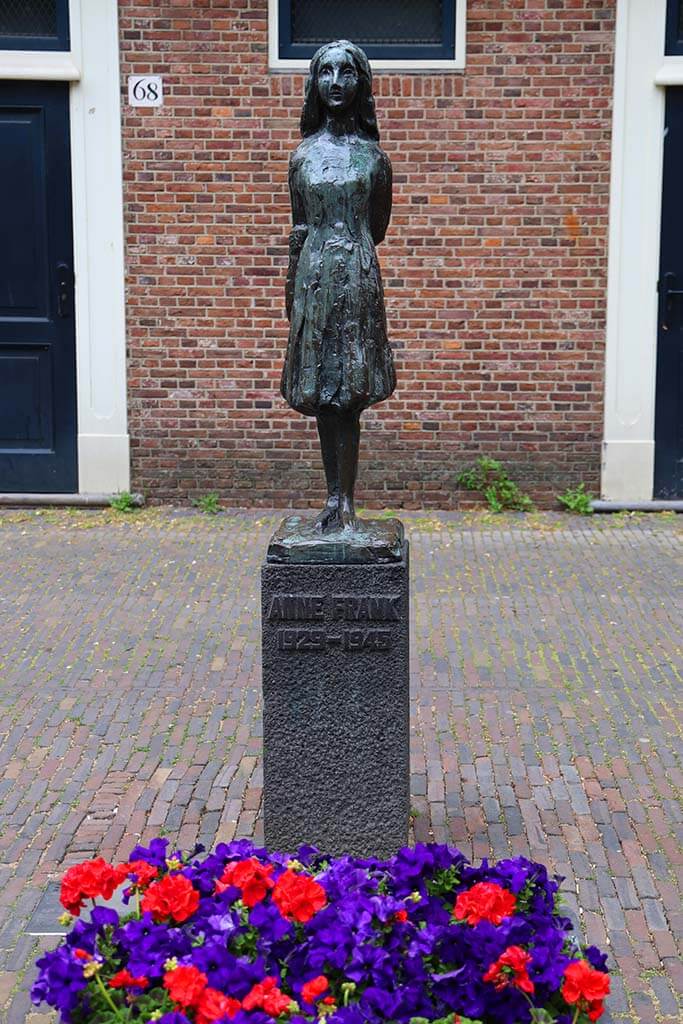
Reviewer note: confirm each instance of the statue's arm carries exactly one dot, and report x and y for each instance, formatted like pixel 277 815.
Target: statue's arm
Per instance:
pixel 380 207
pixel 297 237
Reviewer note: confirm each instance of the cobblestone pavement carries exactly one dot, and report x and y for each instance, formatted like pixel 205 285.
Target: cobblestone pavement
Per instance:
pixel 546 668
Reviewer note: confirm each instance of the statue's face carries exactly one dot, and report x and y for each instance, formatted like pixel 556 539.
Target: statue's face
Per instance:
pixel 337 80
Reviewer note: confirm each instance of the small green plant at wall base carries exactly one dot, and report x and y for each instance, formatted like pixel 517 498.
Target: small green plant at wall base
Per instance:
pixel 489 478
pixel 208 503
pixel 123 502
pixel 577 500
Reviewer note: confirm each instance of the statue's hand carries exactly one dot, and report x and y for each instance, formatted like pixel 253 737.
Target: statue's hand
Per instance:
pixel 297 238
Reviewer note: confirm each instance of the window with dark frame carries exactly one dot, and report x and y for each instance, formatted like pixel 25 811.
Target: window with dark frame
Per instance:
pixel 674 28
pixel 34 24
pixel 386 29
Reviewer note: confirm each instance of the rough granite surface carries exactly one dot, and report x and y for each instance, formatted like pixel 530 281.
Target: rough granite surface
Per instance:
pixel 336 707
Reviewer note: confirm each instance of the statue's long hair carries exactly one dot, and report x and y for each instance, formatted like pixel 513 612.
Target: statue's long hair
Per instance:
pixel 312 113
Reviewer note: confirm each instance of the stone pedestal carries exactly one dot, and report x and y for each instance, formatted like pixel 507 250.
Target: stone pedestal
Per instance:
pixel 336 703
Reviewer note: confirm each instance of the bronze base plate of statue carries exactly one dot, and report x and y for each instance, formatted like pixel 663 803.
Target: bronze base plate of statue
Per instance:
pixel 300 541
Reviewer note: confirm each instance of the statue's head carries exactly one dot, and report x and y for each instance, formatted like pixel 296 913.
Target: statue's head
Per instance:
pixel 339 80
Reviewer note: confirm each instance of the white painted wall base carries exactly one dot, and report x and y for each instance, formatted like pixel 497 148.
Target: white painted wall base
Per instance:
pixel 627 470
pixel 634 237
pixel 104 463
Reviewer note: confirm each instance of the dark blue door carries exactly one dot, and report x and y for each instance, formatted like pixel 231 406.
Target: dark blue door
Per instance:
pixel 669 394
pixel 37 333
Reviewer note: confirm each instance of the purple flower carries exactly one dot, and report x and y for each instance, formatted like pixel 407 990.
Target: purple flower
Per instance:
pixel 596 959
pixel 548 960
pixel 84 933
pixel 378 1003
pixel 224 924
pixel 369 964
pixel 149 945
pixel 349 1015
pixel 225 971
pixel 411 863
pixel 60 981
pixel 272 926
pixel 154 854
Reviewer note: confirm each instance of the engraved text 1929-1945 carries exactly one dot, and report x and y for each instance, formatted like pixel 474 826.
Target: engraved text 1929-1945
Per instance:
pixel 346 621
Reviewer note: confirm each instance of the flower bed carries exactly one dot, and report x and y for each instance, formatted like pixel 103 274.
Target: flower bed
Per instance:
pixel 250 937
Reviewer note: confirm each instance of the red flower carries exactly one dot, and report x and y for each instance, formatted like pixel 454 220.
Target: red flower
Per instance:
pixel 213 1005
pixel 173 896
pixel 124 979
pixel 185 985
pixel 268 997
pixel 485 901
pixel 298 897
pixel 401 916
pixel 511 969
pixel 88 880
pixel 314 988
pixel 251 877
pixel 82 954
pixel 140 872
pixel 586 986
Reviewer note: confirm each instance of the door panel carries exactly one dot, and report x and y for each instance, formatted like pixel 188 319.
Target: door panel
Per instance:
pixel 25 420
pixel 24 282
pixel 37 327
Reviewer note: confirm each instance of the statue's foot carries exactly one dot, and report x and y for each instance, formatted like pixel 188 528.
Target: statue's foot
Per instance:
pixel 347 513
pixel 329 517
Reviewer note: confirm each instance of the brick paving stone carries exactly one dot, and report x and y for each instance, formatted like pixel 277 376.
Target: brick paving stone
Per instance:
pixel 655 915
pixel 8 980
pixel 546 678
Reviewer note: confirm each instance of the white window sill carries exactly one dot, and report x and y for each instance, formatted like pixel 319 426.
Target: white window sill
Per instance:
pixel 670 72
pixel 39 65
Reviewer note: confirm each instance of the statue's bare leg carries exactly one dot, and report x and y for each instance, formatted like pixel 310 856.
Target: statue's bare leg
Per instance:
pixel 327 432
pixel 348 444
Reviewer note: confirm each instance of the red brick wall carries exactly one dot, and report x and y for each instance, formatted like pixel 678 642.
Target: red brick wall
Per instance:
pixel 494 264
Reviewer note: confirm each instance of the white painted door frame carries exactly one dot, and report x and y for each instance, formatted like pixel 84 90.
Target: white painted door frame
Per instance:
pixel 641 72
pixel 92 68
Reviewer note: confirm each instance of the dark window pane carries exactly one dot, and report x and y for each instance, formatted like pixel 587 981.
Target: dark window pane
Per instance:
pixel 368 21
pixel 674 28
pixel 28 18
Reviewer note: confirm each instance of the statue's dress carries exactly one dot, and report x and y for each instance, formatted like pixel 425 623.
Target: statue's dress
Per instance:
pixel 338 356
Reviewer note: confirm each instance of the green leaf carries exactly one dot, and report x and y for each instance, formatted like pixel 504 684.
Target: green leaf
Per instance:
pixel 444 881
pixel 490 478
pixel 123 502
pixel 577 500
pixel 208 503
pixel 526 894
pixel 153 1000
pixel 540 1015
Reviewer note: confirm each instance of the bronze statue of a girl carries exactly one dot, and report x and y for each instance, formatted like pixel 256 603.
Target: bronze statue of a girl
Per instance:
pixel 338 358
